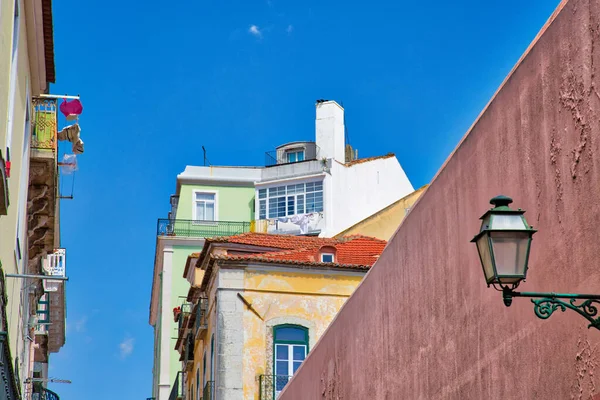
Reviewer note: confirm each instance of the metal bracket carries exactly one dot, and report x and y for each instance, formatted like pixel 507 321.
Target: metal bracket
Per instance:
pixel 544 304
pixel 44 277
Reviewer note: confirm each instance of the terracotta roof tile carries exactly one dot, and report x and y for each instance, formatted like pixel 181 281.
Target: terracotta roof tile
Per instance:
pixel 367 159
pixel 48 40
pixel 351 251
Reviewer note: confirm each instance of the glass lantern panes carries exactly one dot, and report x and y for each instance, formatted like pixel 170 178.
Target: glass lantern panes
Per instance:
pixel 510 254
pixel 503 243
pixel 483 246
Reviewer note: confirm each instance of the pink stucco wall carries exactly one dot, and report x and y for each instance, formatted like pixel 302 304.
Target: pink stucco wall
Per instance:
pixel 423 325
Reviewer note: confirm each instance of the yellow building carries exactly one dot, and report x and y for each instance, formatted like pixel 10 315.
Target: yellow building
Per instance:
pixel 384 222
pixel 32 306
pixel 257 304
pixel 26 71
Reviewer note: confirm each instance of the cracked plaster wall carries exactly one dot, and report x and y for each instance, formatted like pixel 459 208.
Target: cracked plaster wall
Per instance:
pixel 423 325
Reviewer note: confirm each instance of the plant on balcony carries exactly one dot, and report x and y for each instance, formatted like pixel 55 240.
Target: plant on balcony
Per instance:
pixel 176 313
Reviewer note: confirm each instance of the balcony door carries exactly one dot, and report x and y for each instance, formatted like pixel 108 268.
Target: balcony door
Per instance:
pixel 290 349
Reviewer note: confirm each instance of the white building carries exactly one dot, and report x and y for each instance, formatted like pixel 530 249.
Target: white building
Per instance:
pixel 316 187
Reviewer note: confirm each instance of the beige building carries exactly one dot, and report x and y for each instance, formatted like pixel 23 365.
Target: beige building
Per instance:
pixel 32 307
pixel 257 304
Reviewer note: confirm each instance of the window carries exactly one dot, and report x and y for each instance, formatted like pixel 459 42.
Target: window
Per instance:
pixel 295 156
pixel 205 206
pixel 290 348
pixel 285 201
pixel 212 358
pixel 327 257
pixel 203 372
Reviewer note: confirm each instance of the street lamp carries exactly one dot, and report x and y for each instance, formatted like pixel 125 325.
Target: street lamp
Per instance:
pixel 503 243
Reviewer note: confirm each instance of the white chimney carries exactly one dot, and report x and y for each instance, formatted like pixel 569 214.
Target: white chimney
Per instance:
pixel 329 127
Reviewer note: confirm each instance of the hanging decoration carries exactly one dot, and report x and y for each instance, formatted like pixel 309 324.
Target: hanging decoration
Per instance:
pixel 71 109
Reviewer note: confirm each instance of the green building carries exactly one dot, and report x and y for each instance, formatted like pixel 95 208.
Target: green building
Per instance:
pixel 209 201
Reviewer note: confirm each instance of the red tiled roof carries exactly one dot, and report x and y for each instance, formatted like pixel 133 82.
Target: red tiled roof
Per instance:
pixel 351 251
pixel 367 159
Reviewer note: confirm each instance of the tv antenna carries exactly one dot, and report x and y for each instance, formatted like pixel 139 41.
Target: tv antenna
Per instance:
pixel 205 159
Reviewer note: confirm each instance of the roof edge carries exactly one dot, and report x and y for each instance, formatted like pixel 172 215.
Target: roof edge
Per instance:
pixel 48 41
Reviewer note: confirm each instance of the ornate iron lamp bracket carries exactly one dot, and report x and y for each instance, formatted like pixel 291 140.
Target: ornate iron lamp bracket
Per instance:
pixel 544 304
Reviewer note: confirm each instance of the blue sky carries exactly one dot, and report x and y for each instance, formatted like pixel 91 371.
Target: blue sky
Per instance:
pixel 160 79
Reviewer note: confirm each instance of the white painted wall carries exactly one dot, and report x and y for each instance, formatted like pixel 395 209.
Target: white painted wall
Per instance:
pixel 166 316
pixel 329 128
pixel 356 192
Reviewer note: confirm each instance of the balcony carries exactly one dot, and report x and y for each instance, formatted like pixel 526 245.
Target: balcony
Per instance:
pixel 41 328
pixel 42 393
pixel 54 264
pixel 271 385
pixel 188 352
pixel 183 321
pixel 307 224
pixel 43 183
pixel 292 153
pixel 200 229
pixel 177 391
pixel 201 319
pixel 9 385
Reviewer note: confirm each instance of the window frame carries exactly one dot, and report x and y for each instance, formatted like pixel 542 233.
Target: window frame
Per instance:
pixel 327 254
pixel 305 342
pixel 263 203
pixel 195 208
pixel 296 152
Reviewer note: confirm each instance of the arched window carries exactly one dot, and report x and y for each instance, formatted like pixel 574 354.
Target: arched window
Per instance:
pixel 290 346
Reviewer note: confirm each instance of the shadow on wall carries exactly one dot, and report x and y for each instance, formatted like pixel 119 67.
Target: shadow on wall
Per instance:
pixel 423 325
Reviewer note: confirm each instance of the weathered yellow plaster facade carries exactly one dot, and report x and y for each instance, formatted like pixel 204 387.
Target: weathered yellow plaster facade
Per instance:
pixel 384 223
pixel 277 295
pixel 308 299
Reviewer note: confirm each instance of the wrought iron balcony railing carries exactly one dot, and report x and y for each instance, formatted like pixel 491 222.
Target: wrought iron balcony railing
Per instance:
pixel 47 394
pixel 200 229
pixel 306 151
pixel 183 323
pixel 208 393
pixel 177 390
pixel 271 385
pixel 44 124
pixel 9 381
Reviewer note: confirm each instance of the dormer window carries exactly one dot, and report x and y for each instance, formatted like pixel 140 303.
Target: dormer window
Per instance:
pixel 327 254
pixel 295 156
pixel 327 257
